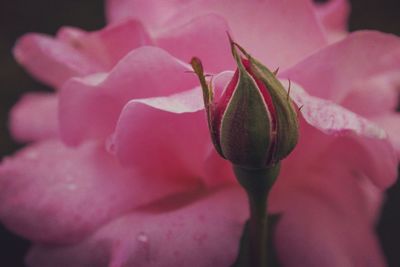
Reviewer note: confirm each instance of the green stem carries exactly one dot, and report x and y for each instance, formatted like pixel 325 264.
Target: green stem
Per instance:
pixel 257 183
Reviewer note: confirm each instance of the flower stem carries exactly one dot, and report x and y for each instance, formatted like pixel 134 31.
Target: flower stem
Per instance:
pixel 257 183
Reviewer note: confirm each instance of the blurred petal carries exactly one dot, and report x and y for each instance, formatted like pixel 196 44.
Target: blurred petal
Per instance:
pixel 204 37
pixel 310 234
pixel 34 117
pixel 160 240
pixel 109 44
pixel 374 96
pixel 332 72
pixel 51 193
pixel 152 13
pixel 51 60
pixel 263 27
pixel 333 16
pixel 391 123
pixel 171 137
pixel 97 100
pixel 336 185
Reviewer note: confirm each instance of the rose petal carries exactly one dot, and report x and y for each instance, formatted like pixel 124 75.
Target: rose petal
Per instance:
pixel 263 27
pixel 336 185
pixel 334 120
pixel 310 234
pixel 152 13
pixel 51 193
pixel 51 60
pixel 109 44
pixel 171 137
pixel 97 100
pixel 204 37
pixel 391 123
pixel 162 240
pixel 332 72
pixel 34 117
pixel 375 96
pixel 333 15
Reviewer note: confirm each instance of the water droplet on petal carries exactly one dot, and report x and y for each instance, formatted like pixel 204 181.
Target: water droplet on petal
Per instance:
pixel 32 155
pixel 142 237
pixel 110 145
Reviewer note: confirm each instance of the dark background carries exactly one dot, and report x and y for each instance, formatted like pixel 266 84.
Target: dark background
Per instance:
pixel 46 16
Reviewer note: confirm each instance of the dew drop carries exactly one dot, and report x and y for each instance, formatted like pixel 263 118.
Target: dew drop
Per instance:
pixel 142 237
pixel 31 155
pixel 71 187
pixel 110 145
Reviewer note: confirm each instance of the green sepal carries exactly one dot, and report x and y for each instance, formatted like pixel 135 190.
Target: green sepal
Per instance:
pixel 208 97
pixel 287 119
pixel 245 133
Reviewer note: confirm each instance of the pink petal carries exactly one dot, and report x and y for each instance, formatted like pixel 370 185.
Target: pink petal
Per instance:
pixel 333 16
pixel 152 13
pixel 97 100
pixel 263 27
pixel 51 193
pixel 204 37
pixel 334 71
pixel 164 136
pixel 336 185
pixel 391 123
pixel 375 96
pixel 334 120
pixel 110 44
pixel 51 60
pixel 310 234
pixel 34 117
pixel 204 233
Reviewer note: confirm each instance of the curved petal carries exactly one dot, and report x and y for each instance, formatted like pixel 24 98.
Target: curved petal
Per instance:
pixel 334 71
pixel 51 60
pixel 334 120
pixel 263 27
pixel 34 117
pixel 162 240
pixel 171 137
pixel 152 13
pixel 98 99
pixel 375 96
pixel 391 123
pixel 336 185
pixel 333 16
pixel 109 44
pixel 51 193
pixel 310 234
pixel 204 37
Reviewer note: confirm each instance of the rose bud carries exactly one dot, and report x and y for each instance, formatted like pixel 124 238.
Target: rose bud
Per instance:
pixel 254 123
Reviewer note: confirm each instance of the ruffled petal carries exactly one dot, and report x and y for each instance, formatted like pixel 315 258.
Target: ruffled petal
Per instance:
pixel 51 193
pixel 204 233
pixel 34 117
pixel 171 137
pixel 333 16
pixel 97 100
pixel 334 71
pixel 332 119
pixel 51 60
pixel 263 27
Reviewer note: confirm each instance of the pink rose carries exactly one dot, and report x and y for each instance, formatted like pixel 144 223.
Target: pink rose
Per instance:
pixel 120 169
